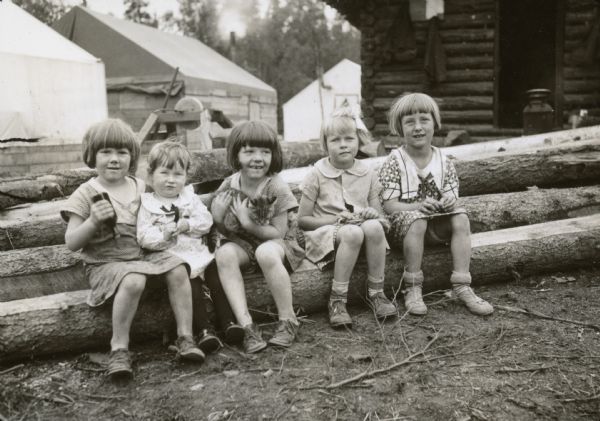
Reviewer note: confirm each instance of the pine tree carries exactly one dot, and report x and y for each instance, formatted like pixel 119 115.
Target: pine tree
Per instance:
pixel 46 11
pixel 136 11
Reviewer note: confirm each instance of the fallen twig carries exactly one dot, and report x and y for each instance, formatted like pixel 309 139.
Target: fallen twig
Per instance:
pixel 520 370
pixel 544 316
pixel 8 370
pixel 92 396
pixel 385 369
pixel 591 398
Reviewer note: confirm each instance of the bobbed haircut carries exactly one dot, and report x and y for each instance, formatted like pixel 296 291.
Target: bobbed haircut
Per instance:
pixel 257 134
pixel 412 104
pixel 110 133
pixel 168 154
pixel 344 120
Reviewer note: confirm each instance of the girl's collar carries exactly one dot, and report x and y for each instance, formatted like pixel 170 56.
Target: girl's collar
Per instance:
pixel 324 167
pixel 152 202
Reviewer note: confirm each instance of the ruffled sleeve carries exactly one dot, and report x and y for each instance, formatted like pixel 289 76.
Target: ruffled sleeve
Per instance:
pixel 200 219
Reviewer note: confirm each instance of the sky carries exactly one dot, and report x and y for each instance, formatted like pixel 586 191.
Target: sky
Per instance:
pixel 230 18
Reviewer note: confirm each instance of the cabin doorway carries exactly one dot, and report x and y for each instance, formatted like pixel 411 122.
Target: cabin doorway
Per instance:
pixel 526 57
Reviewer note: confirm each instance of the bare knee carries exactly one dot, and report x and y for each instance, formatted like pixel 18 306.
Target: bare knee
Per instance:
pixel 460 224
pixel 417 228
pixel 226 256
pixel 351 235
pixel 268 255
pixel 133 284
pixel 373 230
pixel 178 276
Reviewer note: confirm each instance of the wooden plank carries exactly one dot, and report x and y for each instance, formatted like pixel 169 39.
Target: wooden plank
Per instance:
pixel 64 323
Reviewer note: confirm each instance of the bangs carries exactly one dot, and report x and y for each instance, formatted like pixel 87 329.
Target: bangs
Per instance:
pixel 258 136
pixel 412 104
pixel 169 160
pixel 419 104
pixel 168 154
pixel 114 135
pixel 339 125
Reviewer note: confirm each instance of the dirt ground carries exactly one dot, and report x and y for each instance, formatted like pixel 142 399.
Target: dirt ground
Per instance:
pixel 509 366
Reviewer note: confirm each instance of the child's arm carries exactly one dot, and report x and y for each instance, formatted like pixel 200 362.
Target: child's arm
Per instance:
pixel 200 220
pixel 80 231
pixel 390 179
pixel 310 193
pixel 152 236
pixel 277 228
pixel 306 220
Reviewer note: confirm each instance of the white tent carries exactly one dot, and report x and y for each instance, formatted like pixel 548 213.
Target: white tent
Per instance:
pixel 49 87
pixel 303 114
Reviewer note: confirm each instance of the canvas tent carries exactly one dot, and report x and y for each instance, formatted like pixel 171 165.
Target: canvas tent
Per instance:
pixel 303 113
pixel 49 87
pixel 140 62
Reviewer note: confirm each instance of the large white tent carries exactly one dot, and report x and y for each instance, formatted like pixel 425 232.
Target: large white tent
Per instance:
pixel 49 87
pixel 303 114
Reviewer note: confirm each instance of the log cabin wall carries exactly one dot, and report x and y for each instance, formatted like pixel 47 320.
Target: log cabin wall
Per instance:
pixel 465 97
pixel 581 80
pixel 469 35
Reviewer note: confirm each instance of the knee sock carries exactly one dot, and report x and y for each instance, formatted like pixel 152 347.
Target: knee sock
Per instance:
pixel 339 290
pixel 412 279
pixel 222 308
pixel 374 285
pixel 460 280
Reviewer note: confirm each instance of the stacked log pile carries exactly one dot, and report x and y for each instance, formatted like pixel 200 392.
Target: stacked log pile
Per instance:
pixel 533 210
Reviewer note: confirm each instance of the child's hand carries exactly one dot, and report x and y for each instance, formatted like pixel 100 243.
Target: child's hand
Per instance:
pixel 239 208
pixel 183 226
pixel 368 213
pixel 101 211
pixel 448 203
pixel 430 206
pixel 170 230
pixel 346 216
pixel 220 204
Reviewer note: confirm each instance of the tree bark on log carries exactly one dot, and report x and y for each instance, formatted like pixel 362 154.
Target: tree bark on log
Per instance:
pixel 210 166
pixel 64 323
pixel 489 212
pixel 47 270
pixel 571 163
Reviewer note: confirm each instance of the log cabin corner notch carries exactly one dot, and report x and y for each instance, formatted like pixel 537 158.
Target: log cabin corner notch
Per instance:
pixel 492 50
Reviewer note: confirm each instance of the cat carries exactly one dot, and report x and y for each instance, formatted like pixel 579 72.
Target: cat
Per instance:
pixel 261 211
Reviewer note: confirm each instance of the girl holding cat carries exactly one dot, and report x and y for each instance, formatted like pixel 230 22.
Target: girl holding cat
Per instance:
pixel 250 210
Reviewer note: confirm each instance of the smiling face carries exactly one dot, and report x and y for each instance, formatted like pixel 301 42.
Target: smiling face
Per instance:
pixel 418 129
pixel 168 182
pixel 254 161
pixel 112 164
pixel 342 148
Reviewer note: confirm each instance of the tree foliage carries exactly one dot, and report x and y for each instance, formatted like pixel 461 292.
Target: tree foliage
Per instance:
pixel 199 19
pixel 136 11
pixel 294 44
pixel 46 11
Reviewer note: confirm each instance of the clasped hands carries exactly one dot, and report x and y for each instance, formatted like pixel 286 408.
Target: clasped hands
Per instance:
pixel 430 206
